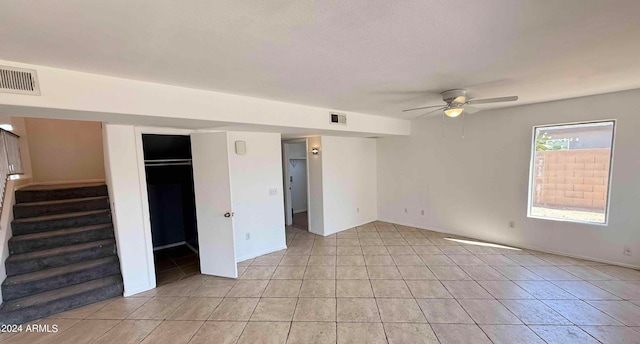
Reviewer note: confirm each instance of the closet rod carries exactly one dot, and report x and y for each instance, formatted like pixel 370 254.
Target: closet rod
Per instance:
pixel 186 163
pixel 168 160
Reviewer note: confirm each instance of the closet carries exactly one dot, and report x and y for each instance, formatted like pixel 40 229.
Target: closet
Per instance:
pixel 172 209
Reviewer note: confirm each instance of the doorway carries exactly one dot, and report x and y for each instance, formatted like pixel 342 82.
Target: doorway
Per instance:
pixel 296 184
pixel 172 212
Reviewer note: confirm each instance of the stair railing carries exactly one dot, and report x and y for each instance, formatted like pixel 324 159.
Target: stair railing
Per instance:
pixel 10 162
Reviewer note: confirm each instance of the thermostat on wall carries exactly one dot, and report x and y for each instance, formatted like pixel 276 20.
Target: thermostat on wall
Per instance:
pixel 241 147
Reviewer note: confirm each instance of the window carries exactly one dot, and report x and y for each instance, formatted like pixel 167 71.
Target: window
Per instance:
pixel 571 172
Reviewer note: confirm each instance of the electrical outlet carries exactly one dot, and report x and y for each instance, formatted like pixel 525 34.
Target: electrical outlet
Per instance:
pixel 512 224
pixel 406 211
pixel 627 251
pixel 421 212
pixel 247 236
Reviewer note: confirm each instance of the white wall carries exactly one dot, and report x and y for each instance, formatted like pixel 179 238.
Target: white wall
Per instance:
pixel 297 149
pixel 20 128
pixel 123 101
pixel 475 185
pixel 125 194
pixel 316 192
pixel 349 182
pixel 6 217
pixel 252 175
pixel 8 200
pixel 64 150
pixel 256 212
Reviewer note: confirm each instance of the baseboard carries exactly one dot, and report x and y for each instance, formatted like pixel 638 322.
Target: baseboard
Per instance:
pixel 577 256
pixel 172 245
pixel 260 253
pixel 527 247
pixel 191 247
pixel 344 229
pixel 138 290
pixel 311 231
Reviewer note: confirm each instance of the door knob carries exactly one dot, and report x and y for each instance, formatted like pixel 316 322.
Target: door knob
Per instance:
pixel 228 214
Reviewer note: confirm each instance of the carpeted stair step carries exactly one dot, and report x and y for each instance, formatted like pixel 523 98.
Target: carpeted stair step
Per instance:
pixel 45 208
pixel 62 237
pixel 59 192
pixel 22 310
pixel 60 256
pixel 45 280
pixel 54 222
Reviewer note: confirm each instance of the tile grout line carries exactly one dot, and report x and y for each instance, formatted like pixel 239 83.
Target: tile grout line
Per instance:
pixel 409 239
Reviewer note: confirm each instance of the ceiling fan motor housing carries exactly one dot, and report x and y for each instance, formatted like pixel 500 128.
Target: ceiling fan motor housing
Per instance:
pixel 455 97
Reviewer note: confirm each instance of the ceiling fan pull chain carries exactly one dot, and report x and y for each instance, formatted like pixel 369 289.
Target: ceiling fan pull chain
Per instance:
pixel 442 125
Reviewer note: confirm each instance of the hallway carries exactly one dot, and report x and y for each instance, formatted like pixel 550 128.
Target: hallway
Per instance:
pixel 301 220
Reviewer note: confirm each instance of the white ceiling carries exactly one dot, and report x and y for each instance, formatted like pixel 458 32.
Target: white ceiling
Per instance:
pixel 375 57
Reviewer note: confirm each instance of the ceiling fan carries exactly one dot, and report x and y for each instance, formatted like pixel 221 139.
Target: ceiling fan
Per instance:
pixel 457 103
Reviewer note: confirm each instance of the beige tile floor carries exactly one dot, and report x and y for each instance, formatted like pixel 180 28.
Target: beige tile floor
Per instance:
pixel 377 283
pixel 174 264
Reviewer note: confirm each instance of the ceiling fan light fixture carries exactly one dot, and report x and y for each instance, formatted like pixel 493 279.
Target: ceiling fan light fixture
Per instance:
pixel 453 111
pixel 456 101
pixel 460 99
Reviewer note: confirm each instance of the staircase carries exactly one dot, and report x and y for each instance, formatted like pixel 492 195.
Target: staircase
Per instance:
pixel 62 254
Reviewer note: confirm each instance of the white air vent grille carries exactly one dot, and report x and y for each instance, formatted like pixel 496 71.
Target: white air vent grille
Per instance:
pixel 19 81
pixel 338 118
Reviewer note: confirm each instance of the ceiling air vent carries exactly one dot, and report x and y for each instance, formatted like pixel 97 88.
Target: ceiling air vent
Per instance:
pixel 338 118
pixel 19 81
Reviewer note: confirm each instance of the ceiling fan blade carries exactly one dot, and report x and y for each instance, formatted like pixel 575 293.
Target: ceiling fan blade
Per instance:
pixel 430 112
pixel 471 109
pixel 420 108
pixel 493 100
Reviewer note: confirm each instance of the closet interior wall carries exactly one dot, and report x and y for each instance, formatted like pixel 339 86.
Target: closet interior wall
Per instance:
pixel 170 190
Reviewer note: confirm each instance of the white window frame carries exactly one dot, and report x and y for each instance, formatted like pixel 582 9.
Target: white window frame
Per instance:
pixel 532 177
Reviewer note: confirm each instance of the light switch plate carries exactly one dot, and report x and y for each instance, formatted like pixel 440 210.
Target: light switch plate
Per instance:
pixel 241 147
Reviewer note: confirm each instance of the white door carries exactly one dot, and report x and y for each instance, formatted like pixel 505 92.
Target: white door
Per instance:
pixel 214 215
pixel 288 214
